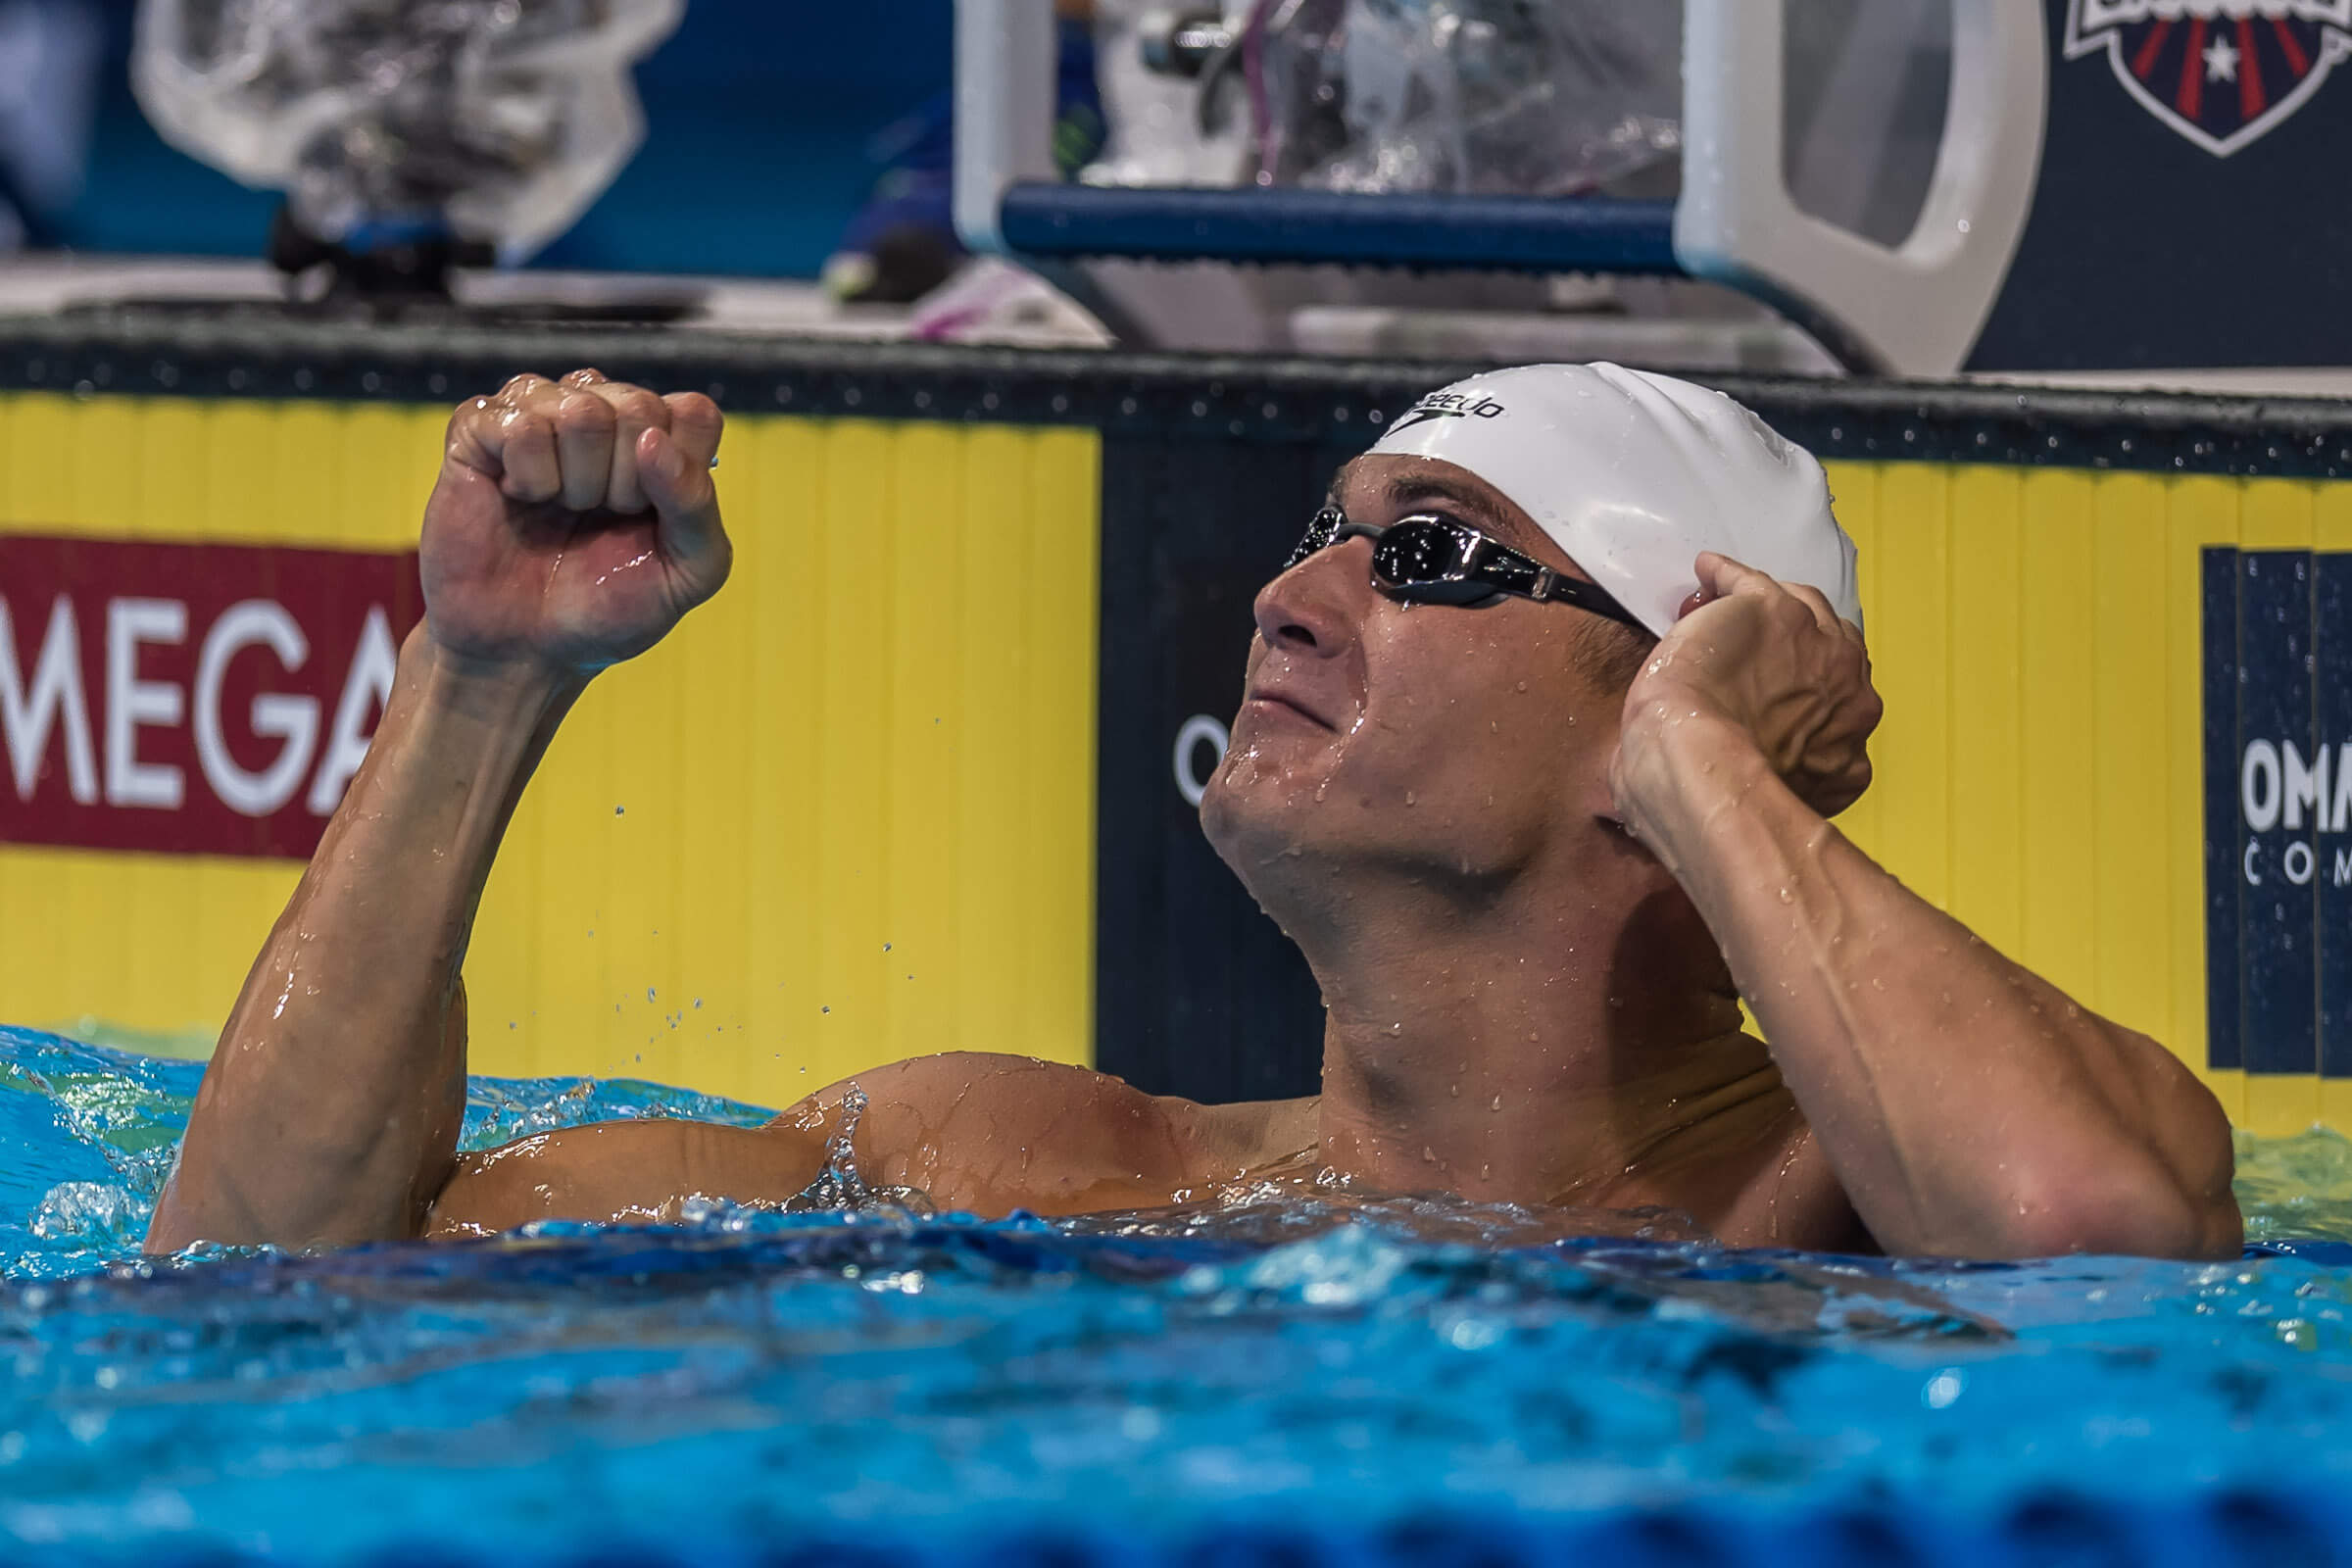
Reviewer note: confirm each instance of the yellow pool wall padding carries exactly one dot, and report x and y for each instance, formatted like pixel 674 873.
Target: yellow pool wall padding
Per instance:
pixel 846 814
pixel 2035 635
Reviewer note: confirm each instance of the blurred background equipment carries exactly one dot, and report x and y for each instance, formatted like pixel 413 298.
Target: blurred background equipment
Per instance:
pixel 1457 133
pixel 1462 95
pixel 1916 185
pixel 903 243
pixel 1396 95
pixel 408 130
pixel 50 57
pixel 759 148
pixel 1562 120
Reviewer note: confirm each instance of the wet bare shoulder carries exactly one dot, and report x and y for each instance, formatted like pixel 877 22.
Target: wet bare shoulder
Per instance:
pixel 1749 1167
pixel 1251 1134
pixel 1796 1199
pixel 991 1133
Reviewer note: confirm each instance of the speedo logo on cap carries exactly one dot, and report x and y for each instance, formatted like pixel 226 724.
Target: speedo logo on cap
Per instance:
pixel 1449 406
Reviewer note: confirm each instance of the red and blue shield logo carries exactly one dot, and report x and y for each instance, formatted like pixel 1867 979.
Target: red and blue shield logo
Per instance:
pixel 2222 72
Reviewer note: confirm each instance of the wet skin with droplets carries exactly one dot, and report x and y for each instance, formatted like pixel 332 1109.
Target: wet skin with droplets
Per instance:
pixel 987 1135
pixel 1533 945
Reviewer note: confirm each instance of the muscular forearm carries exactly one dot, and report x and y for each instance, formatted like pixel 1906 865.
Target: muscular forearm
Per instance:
pixel 1967 1106
pixel 331 1108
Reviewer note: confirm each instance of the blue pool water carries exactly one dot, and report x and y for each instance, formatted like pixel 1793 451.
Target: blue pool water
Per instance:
pixel 1296 1386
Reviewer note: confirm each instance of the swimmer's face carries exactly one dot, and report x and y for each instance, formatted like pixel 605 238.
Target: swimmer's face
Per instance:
pixel 1460 744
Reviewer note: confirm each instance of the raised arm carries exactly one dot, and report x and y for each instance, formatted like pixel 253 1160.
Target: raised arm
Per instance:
pixel 574 524
pixel 1968 1105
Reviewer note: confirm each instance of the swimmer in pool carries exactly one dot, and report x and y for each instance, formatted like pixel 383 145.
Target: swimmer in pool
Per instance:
pixel 1542 729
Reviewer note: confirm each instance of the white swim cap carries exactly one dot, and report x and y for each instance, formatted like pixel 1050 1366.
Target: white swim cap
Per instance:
pixel 1633 474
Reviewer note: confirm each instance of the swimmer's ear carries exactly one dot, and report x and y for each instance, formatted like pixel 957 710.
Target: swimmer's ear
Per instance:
pixel 1700 594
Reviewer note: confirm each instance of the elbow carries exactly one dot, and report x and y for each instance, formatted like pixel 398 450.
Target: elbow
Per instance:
pixel 2138 1211
pixel 308 1192
pixel 2166 1194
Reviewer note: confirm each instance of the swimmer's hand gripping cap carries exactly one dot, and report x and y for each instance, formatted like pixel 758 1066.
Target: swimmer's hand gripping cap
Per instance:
pixel 1633 474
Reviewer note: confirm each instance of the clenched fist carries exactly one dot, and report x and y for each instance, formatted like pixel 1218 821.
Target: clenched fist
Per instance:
pixel 1763 660
pixel 574 524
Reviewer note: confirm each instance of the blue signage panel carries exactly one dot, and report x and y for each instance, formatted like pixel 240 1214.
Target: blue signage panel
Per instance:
pixel 2331 698
pixel 2283 798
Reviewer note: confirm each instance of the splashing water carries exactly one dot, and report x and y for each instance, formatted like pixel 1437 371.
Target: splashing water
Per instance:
pixel 842 1186
pixel 1295 1369
pixel 87 1135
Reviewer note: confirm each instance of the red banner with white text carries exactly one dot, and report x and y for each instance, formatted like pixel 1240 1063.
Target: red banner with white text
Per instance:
pixel 194 699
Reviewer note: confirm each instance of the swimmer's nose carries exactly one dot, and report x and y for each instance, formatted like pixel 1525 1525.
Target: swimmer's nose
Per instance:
pixel 1306 609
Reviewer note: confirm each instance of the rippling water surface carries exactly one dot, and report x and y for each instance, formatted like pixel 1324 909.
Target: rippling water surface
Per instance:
pixel 1306 1374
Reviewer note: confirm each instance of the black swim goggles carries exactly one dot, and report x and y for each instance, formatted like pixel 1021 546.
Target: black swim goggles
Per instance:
pixel 1436 560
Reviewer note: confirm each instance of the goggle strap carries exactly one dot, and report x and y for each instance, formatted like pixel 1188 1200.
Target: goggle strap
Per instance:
pixel 1585 596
